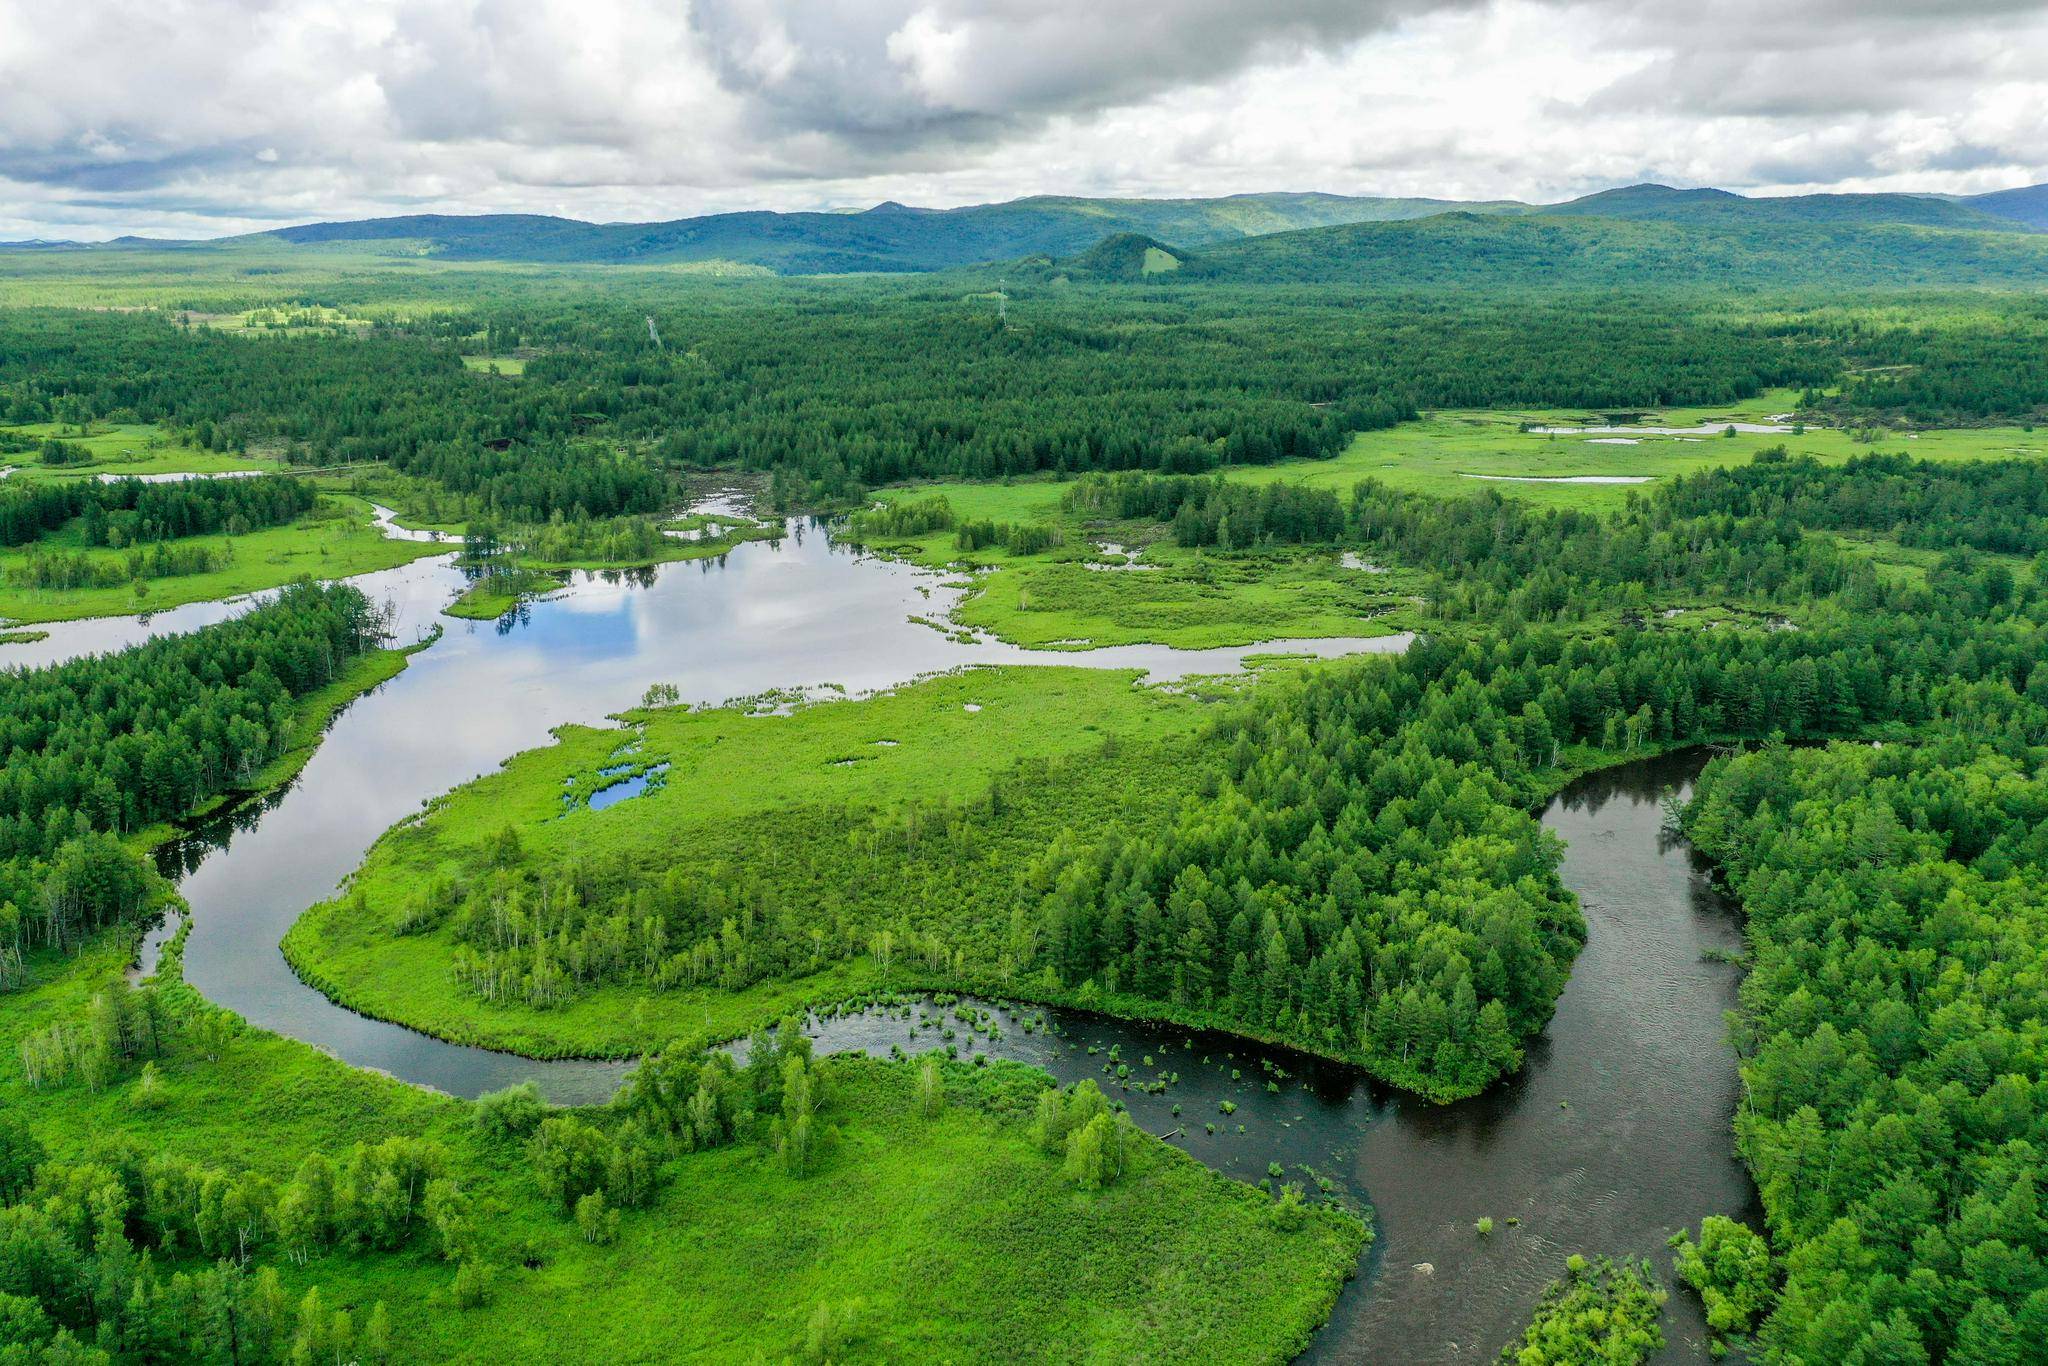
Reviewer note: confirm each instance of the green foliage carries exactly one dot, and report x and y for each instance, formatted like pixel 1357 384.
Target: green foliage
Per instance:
pixel 571 1159
pixel 91 1249
pixel 931 1087
pixel 1601 1313
pixel 1025 539
pixel 901 517
pixel 98 748
pixel 514 1112
pixel 1887 1033
pixel 128 512
pixel 1214 512
pixel 1992 505
pixel 1731 1268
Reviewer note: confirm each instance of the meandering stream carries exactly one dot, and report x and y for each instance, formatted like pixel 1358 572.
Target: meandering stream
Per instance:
pixel 1614 1134
pixel 801 612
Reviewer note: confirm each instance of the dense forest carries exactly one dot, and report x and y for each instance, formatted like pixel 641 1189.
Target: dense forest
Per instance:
pixel 848 386
pixel 857 387
pixel 1999 506
pixel 1890 1028
pixel 125 512
pixel 81 1245
pixel 98 748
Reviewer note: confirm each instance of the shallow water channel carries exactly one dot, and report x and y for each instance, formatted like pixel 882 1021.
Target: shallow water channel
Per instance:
pixel 1615 1134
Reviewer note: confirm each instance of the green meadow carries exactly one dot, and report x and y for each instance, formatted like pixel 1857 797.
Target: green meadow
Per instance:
pixel 1125 583
pixel 337 539
pixel 1444 452
pixel 122 448
pixel 736 783
pixel 942 1238
pixel 1112 583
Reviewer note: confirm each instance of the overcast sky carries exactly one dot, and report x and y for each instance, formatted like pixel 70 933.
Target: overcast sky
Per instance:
pixel 203 117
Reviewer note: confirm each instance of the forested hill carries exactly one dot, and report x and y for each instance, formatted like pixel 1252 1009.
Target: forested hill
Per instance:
pixel 1661 203
pixel 888 237
pixel 1572 251
pixel 2028 205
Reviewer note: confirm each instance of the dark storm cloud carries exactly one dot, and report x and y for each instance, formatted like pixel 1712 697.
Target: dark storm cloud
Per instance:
pixel 900 70
pixel 107 174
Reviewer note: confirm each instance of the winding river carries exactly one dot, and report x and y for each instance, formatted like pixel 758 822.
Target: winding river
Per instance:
pixel 1615 1133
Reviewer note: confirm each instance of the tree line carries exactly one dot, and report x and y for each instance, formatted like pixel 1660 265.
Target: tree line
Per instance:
pixel 870 385
pixel 125 512
pixel 96 748
pixel 1890 1030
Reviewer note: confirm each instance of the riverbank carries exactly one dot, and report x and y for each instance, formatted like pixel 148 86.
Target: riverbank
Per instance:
pixel 313 714
pixel 944 1235
pixel 737 786
pixel 339 539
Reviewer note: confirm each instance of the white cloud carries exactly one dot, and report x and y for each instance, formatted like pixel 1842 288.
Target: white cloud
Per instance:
pixel 198 117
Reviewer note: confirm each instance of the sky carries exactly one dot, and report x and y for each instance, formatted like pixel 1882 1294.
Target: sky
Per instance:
pixel 199 118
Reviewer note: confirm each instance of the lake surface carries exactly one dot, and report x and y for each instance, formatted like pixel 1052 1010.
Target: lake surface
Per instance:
pixel 1615 1134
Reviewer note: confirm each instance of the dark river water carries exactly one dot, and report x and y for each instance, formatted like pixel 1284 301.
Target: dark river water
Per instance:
pixel 1615 1133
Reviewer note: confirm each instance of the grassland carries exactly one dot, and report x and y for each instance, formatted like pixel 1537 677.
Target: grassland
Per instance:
pixel 944 1239
pixel 1440 454
pixel 733 775
pixel 335 540
pixel 1080 594
pixel 496 365
pixel 1111 583
pixel 122 448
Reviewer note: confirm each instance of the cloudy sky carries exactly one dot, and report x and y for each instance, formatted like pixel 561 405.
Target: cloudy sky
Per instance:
pixel 203 117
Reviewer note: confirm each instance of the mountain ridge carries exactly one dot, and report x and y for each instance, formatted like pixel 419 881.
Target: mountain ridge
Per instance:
pixel 901 238
pixel 1585 251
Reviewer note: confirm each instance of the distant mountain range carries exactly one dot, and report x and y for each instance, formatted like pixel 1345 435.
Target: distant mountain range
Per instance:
pixel 1274 236
pixel 1661 203
pixel 1584 251
pixel 888 237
